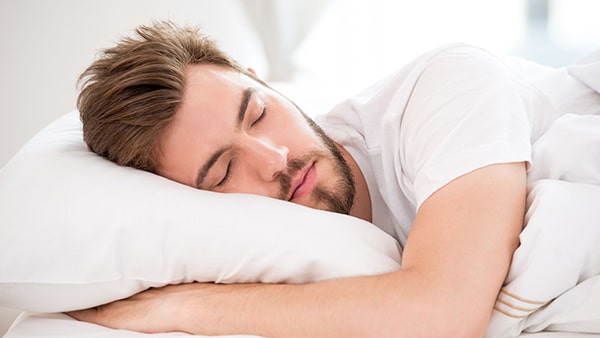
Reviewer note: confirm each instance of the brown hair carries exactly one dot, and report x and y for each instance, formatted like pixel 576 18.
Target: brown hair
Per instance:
pixel 131 92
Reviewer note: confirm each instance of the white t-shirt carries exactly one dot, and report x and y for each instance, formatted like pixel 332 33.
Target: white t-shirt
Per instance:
pixel 449 112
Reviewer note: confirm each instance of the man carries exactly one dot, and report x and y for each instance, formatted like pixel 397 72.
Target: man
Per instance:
pixel 435 154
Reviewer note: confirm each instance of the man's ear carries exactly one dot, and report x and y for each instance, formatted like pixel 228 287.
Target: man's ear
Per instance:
pixel 251 70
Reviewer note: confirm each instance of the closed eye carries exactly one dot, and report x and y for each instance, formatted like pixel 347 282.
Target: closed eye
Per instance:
pixel 227 175
pixel 261 117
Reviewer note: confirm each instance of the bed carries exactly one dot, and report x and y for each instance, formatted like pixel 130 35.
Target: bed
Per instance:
pixel 80 231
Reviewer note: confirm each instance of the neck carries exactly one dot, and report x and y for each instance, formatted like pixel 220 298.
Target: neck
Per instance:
pixel 362 199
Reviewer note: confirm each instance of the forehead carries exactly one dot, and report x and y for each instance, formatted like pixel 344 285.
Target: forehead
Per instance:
pixel 205 84
pixel 211 100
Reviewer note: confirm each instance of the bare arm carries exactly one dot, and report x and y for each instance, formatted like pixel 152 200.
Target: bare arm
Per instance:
pixel 454 263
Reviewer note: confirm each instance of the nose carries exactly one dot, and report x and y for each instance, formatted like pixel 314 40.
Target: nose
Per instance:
pixel 269 158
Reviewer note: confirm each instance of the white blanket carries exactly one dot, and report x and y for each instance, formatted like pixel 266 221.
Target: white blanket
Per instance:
pixel 554 280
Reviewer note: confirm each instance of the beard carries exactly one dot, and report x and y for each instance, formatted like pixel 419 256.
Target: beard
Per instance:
pixel 339 195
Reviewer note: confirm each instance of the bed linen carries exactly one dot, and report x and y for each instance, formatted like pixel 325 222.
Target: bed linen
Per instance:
pixel 31 325
pixel 554 280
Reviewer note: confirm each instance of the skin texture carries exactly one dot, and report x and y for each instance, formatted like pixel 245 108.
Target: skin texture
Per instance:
pixel 454 261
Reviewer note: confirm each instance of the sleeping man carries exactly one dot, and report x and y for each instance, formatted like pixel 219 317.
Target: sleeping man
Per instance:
pixel 436 154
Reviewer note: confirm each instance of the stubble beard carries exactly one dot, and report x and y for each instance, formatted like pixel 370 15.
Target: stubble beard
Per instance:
pixel 339 196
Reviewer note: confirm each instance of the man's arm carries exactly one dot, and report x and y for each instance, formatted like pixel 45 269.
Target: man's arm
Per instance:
pixel 454 263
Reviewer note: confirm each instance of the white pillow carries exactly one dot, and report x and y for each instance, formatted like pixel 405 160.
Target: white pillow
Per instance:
pixel 78 231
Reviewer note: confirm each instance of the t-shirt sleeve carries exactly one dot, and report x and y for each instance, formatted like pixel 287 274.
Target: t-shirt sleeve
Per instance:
pixel 466 111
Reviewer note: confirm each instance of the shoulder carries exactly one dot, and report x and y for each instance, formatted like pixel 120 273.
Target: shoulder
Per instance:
pixel 461 51
pixel 464 61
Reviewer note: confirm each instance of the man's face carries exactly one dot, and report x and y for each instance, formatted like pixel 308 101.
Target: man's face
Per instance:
pixel 232 134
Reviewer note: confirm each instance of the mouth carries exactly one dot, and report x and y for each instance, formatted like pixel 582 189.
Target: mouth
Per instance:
pixel 304 182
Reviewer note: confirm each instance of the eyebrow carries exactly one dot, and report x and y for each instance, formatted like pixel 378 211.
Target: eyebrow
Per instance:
pixel 203 171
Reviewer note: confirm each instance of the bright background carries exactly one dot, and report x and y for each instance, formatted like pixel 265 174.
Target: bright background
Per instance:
pixel 329 48
pixel 320 50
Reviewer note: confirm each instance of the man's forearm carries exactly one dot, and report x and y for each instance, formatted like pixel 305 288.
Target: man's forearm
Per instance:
pixel 400 304
pixel 391 305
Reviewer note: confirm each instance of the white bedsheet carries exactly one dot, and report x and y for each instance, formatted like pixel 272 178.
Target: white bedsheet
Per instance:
pixel 30 325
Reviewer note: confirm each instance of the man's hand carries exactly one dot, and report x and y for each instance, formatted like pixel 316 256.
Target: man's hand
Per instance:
pixel 151 311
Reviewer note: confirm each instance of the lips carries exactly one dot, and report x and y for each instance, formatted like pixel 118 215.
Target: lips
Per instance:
pixel 305 182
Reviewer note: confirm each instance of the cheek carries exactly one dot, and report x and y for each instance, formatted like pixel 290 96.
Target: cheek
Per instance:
pixel 294 132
